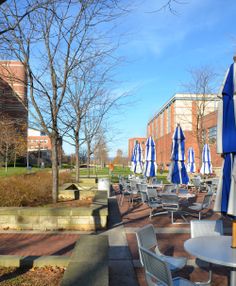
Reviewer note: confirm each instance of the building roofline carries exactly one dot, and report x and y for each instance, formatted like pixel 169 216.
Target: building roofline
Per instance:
pixel 177 96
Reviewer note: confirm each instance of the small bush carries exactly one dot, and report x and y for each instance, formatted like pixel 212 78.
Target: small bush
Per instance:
pixel 28 190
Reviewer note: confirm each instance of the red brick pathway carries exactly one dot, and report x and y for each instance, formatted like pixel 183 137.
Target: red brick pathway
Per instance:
pixel 25 244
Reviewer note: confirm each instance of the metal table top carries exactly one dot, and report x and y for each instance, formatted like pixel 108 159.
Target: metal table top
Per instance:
pixel 214 249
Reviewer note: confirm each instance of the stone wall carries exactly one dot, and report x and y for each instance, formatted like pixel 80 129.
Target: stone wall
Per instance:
pixel 93 217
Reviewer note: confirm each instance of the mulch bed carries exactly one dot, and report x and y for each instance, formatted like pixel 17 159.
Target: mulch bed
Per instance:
pixel 31 277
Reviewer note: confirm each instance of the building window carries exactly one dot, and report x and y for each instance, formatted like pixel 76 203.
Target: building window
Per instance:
pixel 212 134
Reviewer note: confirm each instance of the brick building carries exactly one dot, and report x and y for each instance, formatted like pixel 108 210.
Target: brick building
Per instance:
pixel 13 92
pixel 210 131
pixel 183 109
pixel 38 140
pixel 132 142
pixel 39 147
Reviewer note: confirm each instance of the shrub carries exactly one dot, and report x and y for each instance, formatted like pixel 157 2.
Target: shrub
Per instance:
pixel 28 190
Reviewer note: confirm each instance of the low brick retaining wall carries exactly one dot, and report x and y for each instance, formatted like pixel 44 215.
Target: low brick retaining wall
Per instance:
pixel 93 217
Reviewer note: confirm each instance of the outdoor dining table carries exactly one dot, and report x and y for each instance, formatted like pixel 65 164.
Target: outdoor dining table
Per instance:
pixel 155 186
pixel 214 249
pixel 182 194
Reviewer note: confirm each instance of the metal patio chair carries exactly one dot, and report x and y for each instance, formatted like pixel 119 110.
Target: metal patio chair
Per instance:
pixel 157 271
pixel 154 202
pixel 170 202
pixel 200 207
pixel 124 190
pixel 142 188
pixel 146 238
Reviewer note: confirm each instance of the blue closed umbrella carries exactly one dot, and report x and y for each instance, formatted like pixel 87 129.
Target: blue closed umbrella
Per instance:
pixel 137 159
pixel 191 168
pixel 150 166
pixel 226 145
pixel 177 171
pixel 206 167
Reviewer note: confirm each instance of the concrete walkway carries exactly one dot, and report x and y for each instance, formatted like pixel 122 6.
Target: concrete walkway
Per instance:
pixel 120 259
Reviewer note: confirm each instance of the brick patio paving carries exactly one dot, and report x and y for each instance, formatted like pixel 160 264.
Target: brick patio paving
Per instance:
pixel 28 244
pixel 171 239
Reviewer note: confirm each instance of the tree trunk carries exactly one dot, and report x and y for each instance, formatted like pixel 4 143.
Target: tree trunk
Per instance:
pixel 55 171
pixel 77 162
pixel 38 157
pixel 15 160
pixel 88 160
pixel 6 159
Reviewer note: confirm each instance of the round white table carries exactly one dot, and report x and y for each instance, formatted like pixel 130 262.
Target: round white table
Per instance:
pixel 214 249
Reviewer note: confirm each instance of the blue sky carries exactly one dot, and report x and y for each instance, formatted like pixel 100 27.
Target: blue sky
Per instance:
pixel 159 49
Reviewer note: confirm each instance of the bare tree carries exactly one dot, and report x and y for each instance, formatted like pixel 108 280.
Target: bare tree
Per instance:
pixel 52 42
pixel 12 141
pixel 100 149
pixel 201 87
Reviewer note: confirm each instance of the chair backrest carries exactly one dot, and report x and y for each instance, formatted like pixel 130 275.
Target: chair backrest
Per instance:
pixel 121 189
pixel 155 269
pixel 215 181
pixel 196 181
pixel 133 186
pixel 206 228
pixel 151 193
pixel 169 187
pixel 143 187
pixel 170 202
pixel 146 238
pixel 207 201
pixel 144 197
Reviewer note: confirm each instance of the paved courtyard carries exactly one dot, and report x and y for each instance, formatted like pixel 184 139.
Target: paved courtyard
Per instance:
pixel 37 244
pixel 124 265
pixel 171 239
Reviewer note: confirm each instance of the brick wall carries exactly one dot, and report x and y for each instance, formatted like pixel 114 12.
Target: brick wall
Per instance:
pixel 13 91
pixel 179 111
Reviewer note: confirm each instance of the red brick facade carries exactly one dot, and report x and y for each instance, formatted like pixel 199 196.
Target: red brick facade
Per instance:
pixel 210 122
pixel 182 108
pixel 13 91
pixel 39 142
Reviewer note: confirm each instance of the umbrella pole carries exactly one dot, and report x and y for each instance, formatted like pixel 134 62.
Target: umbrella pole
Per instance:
pixel 177 189
pixel 234 234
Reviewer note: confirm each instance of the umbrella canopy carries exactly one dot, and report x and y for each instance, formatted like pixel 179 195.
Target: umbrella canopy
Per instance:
pixel 150 166
pixel 137 159
pixel 191 168
pixel 226 145
pixel 177 171
pixel 206 160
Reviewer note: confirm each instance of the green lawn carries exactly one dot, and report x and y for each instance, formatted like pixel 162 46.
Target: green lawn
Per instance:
pixel 99 172
pixel 18 171
pixel 94 172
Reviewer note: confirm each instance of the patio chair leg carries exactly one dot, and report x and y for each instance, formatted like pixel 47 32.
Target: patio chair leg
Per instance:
pixel 208 282
pixel 172 217
pixel 182 216
pixel 150 215
pixel 122 199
